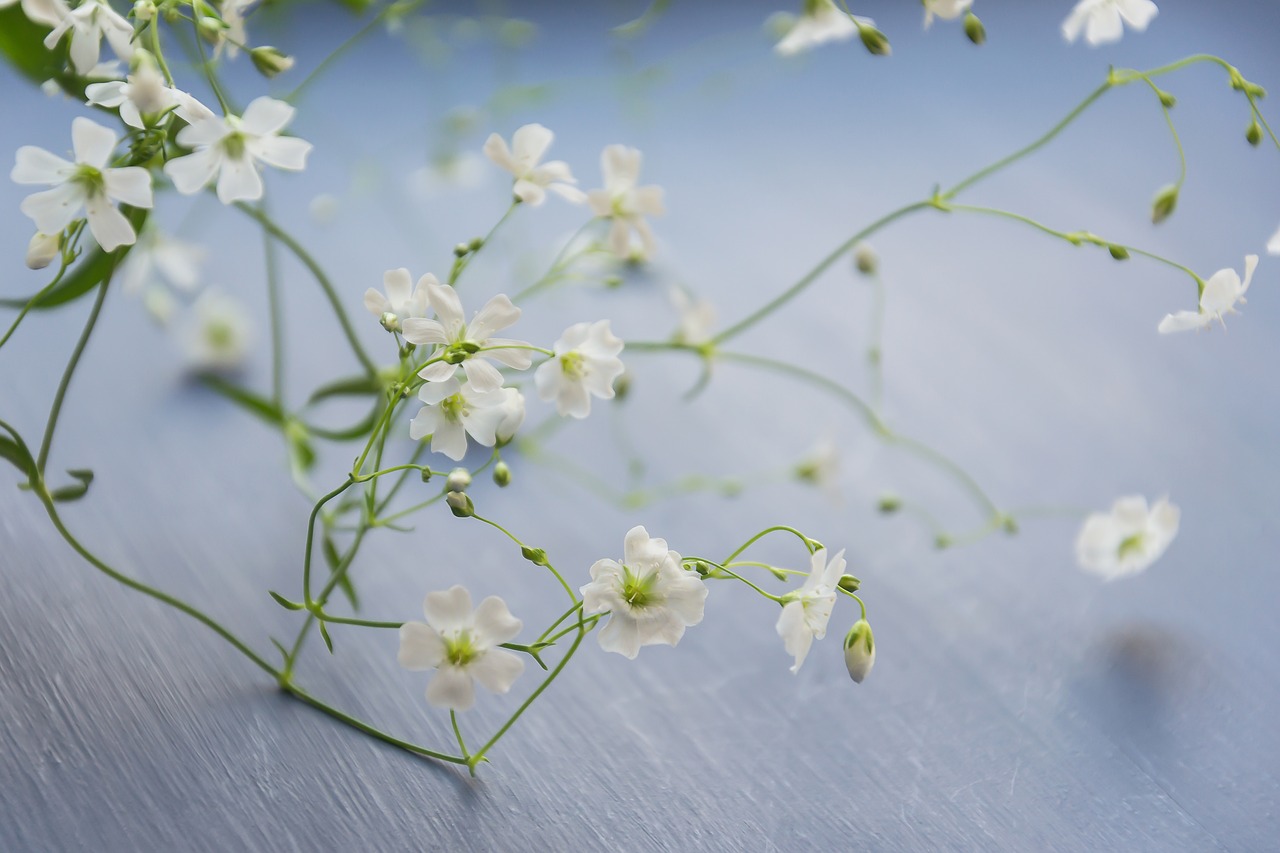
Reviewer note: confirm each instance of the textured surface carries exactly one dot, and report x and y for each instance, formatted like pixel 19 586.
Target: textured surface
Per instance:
pixel 1016 703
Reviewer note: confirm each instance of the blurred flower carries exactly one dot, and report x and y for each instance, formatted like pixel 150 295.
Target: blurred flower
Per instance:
pixel 144 93
pixel 820 22
pixel 452 411
pixel 805 615
pixel 1273 247
pixel 948 10
pixel 1103 21
pixel 859 650
pixel 47 12
pixel 624 202
pixel 522 160
pixel 822 467
pixel 468 345
pixel 586 362
pixel 1128 539
pixel 462 646
pixel 87 23
pixel 1220 294
pixel 403 298
pixel 324 208
pixel 87 183
pixel 697 318
pixel 231 148
pixel 651 598
pixel 233 13
pixel 216 335
pixel 177 261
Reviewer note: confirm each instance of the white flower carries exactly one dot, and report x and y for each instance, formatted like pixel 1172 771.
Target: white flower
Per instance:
pixel 87 183
pixel 697 318
pixel 144 93
pixel 462 646
pixel 177 261
pixel 820 22
pixel 88 23
pixel 948 10
pixel 522 160
pixel 822 467
pixel 1103 21
pixel 216 336
pixel 452 411
pixel 624 202
pixel 231 148
pixel 1128 539
pixel 471 344
pixel 1220 294
pixel 42 249
pixel 805 615
pixel 1273 247
pixel 403 299
pixel 859 650
pixel 233 14
pixel 651 598
pixel 586 362
pixel 47 12
pixel 512 415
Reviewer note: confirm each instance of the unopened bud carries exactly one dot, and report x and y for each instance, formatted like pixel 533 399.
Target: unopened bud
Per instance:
pixel 849 583
pixel 475 244
pixel 974 29
pixel 269 61
pixel 876 42
pixel 1254 133
pixel 502 474
pixel 537 556
pixel 1163 205
pixel 1120 253
pixel 426 474
pixel 390 322
pixel 889 504
pixel 42 249
pixel 865 259
pixel 859 650
pixel 459 480
pixel 460 504
pixel 462 250
pixel 144 10
pixel 210 28
pixel 1167 100
pixel 622 386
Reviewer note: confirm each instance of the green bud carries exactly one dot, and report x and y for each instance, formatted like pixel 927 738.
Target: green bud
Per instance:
pixel 622 386
pixel 865 259
pixel 210 28
pixel 942 541
pixel 1009 524
pixel 144 10
pixel 1167 100
pixel 849 583
pixel 1120 253
pixel 390 322
pixel 462 250
pixel 460 504
pixel 502 474
pixel 701 568
pixel 859 650
pixel 475 244
pixel 1163 205
pixel 974 30
pixel 876 42
pixel 459 480
pixel 1254 90
pixel 889 504
pixel 537 556
pixel 269 61
pixel 1254 133
pixel 426 475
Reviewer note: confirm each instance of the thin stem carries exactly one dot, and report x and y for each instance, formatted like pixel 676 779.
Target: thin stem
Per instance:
pixel 731 573
pixel 777 528
pixel 465 261
pixel 462 744
pixel 351 42
pixel 875 349
pixel 31 303
pixel 1177 141
pixel 277 316
pixel 549 277
pixel 311 533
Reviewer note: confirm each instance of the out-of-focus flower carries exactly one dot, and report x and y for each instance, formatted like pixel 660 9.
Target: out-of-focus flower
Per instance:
pixel 47 12
pixel 1103 21
pixel 1127 539
pixel 176 261
pixel 144 93
pixel 1220 294
pixel 216 336
pixel 948 10
pixel 88 23
pixel 524 160
pixel 403 299
pixel 697 318
pixel 623 202
pixel 235 34
pixel 585 363
pixel 819 23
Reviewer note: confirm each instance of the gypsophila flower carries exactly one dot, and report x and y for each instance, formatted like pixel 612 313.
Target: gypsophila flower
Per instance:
pixel 523 160
pixel 948 10
pixel 512 415
pixel 859 650
pixel 47 12
pixel 586 363
pixel 805 615
pixel 144 93
pixel 157 254
pixel 697 318
pixel 216 334
pixel 462 646
pixel 88 23
pixel 650 597
pixel 403 299
pixel 454 410
pixel 471 345
pixel 1220 294
pixel 230 39
pixel 85 184
pixel 822 467
pixel 231 148
pixel 624 203
pixel 1127 539
pixel 819 23
pixel 1103 21
pixel 42 249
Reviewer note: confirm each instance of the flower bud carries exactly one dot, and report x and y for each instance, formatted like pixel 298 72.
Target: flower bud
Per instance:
pixel 512 416
pixel 462 250
pixel 144 10
pixel 889 504
pixel 460 504
pixel 42 249
pixel 210 28
pixel 476 244
pixel 1167 100
pixel 426 475
pixel 459 480
pixel 974 30
pixel 859 650
pixel 1163 205
pixel 876 42
pixel 1254 133
pixel 865 259
pixel 537 556
pixel 502 474
pixel 269 61
pixel 849 583
pixel 622 385
pixel 390 321
pixel 1120 253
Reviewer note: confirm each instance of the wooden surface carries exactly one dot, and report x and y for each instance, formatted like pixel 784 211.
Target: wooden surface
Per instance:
pixel 1016 703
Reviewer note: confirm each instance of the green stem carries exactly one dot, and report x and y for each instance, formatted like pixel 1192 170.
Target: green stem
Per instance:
pixel 355 723
pixel 777 528
pixel 33 301
pixel 464 262
pixel 277 317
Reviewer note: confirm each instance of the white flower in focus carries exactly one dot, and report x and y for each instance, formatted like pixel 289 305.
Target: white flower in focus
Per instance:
pixel 87 183
pixel 624 202
pixel 452 411
pixel 1127 539
pixel 586 362
pixel 233 14
pixel 47 12
pixel 512 415
pixel 820 22
pixel 462 646
pixel 947 10
pixel 216 335
pixel 697 318
pixel 859 651
pixel 88 23
pixel 1273 247
pixel 805 615
pixel 652 599
pixel 522 159
pixel 176 261
pixel 469 344
pixel 231 148
pixel 403 299
pixel 1103 21
pixel 1220 294
pixel 42 249
pixel 144 93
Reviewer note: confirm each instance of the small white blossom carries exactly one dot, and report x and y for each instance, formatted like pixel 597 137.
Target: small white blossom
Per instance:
pixel 1103 21
pixel 472 344
pixel 454 410
pixel 523 160
pixel 230 39
pixel 623 202
pixel 231 148
pixel 512 415
pixel 144 93
pixel 947 10
pixel 216 335
pixel 462 646
pixel 47 12
pixel 176 261
pixel 697 318
pixel 805 615
pixel 822 467
pixel 87 183
pixel 1127 539
pixel 585 363
pixel 859 651
pixel 43 249
pixel 650 597
pixel 403 299
pixel 1221 293
pixel 88 23
pixel 820 22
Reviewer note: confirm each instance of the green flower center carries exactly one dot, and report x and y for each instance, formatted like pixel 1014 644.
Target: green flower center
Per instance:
pixel 453 407
pixel 461 649
pixel 90 178
pixel 220 334
pixel 573 365
pixel 1131 547
pixel 639 591
pixel 233 145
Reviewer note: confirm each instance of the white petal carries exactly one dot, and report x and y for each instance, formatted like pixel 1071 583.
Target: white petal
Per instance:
pixel 621 635
pixel 265 116
pixel 419 330
pixel 239 180
pixel 130 185
pixel 794 631
pixel 436 375
pixel 451 688
pixel 497 670
pixel 375 302
pixel 1137 13
pixel 92 142
pixel 53 210
pixel 34 165
pixel 494 623
pixel 192 173
pixel 514 354
pixel 621 167
pixel 481 375
pixel 1250 264
pixel 648 200
pixel 109 94
pixel 528 144
pixel 1183 321
pixel 448 610
pixel 437 390
pixel 283 152
pixel 424 423
pixel 640 551
pixel 420 647
pixel 448 307
pixel 1104 26
pixel 107 224
pixel 1273 245
pixel 497 314
pixel 85 50
pixel 450 439
pixel 495 148
pixel 398 285
pixel 530 193
pixel 620 238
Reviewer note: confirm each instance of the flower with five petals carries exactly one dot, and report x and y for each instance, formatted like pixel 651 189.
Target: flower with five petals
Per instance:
pixel 469 344
pixel 624 203
pixel 586 363
pixel 1218 297
pixel 523 160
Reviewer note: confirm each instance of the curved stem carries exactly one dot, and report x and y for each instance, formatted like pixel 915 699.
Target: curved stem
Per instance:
pixel 31 303
pixel 355 723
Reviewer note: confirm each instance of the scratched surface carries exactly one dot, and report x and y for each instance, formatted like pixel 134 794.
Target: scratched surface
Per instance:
pixel 1016 704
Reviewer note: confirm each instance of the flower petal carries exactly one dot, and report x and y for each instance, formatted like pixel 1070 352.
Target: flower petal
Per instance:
pixel 239 180
pixel 497 670
pixel 34 165
pixel 497 314
pixel 448 610
pixel 1183 321
pixel 54 209
pixel 420 647
pixel 283 152
pixel 266 116
pixel 107 224
pixel 192 173
pixel 419 330
pixel 130 185
pixel 494 623
pixel 92 142
pixel 528 144
pixel 451 688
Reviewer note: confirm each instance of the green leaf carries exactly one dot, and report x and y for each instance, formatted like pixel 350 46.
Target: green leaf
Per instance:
pixel 328 641
pixel 15 450
pixel 76 491
pixel 284 602
pixel 349 590
pixel 353 386
pixel 22 43
pixel 302 455
pixel 246 399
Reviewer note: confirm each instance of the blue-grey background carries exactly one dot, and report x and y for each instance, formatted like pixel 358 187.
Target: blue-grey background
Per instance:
pixel 1016 702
